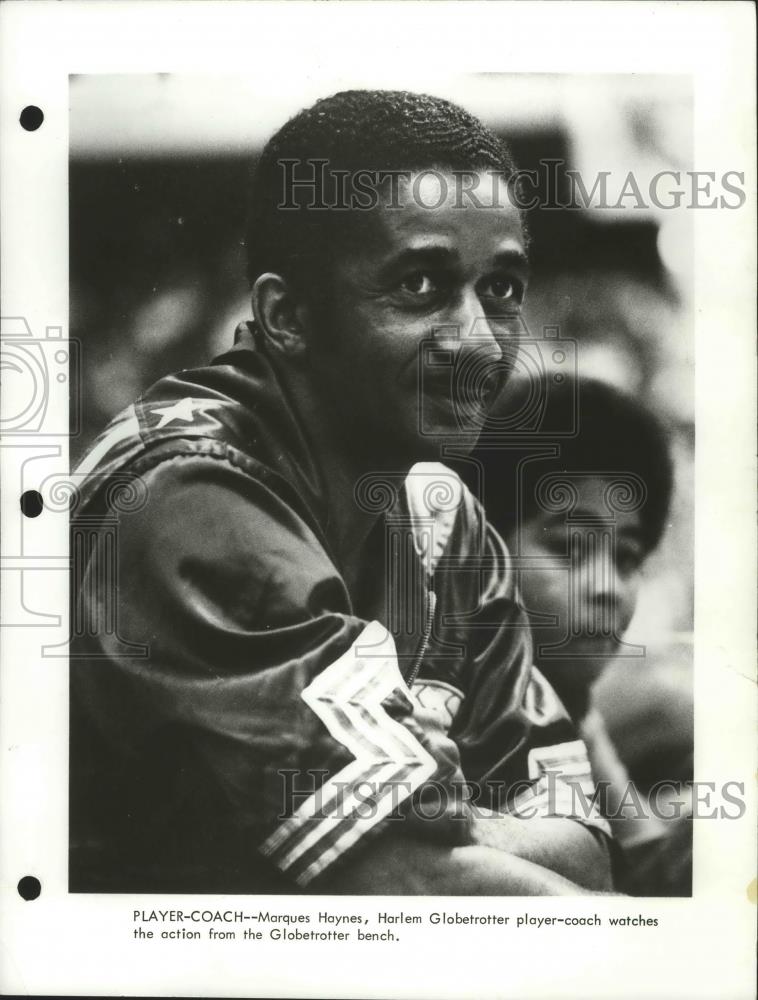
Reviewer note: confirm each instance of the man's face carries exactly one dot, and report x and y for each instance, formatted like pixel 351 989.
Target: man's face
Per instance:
pixel 456 273
pixel 589 588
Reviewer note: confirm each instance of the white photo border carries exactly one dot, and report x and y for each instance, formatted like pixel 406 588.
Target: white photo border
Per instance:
pixel 78 944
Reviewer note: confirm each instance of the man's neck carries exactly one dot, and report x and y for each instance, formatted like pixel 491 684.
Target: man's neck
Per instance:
pixel 344 458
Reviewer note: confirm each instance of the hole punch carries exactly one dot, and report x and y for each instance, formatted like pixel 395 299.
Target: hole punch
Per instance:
pixel 29 887
pixel 31 118
pixel 31 503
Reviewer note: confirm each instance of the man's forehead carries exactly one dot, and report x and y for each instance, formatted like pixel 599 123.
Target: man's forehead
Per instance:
pixel 430 210
pixel 433 188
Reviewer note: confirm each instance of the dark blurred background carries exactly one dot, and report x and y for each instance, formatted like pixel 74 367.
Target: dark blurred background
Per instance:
pixel 158 177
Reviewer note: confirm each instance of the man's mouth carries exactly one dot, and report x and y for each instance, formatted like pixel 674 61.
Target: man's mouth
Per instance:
pixel 475 396
pixel 471 403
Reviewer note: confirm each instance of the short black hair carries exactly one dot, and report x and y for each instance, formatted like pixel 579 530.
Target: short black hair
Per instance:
pixel 378 130
pixel 615 433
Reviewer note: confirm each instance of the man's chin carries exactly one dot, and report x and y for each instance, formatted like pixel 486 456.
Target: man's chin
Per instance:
pixel 409 443
pixel 448 431
pixel 441 441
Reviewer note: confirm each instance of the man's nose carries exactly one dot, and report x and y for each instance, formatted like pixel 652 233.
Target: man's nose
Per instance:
pixel 469 331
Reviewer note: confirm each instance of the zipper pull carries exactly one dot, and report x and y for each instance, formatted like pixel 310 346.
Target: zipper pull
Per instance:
pixel 431 607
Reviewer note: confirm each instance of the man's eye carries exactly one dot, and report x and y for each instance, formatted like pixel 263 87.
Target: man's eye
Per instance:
pixel 502 289
pixel 419 283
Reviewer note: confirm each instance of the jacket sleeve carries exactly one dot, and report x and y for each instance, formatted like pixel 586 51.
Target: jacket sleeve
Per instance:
pixel 292 710
pixel 520 750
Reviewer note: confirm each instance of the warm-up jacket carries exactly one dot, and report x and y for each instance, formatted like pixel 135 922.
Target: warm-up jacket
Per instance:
pixel 240 719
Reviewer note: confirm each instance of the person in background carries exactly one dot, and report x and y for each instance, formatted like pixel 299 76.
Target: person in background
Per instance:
pixel 582 511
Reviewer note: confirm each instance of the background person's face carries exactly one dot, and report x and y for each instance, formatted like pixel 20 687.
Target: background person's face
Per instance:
pixel 410 271
pixel 597 584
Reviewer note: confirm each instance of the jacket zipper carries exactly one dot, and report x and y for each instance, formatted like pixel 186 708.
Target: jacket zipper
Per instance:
pixel 431 605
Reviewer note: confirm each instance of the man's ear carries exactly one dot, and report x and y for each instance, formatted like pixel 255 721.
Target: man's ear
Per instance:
pixel 283 320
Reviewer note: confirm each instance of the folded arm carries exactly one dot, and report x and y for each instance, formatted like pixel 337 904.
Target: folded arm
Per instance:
pixel 557 843
pixel 398 865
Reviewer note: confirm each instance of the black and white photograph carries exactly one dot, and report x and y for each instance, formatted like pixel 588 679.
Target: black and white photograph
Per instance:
pixel 361 517
pixel 385 531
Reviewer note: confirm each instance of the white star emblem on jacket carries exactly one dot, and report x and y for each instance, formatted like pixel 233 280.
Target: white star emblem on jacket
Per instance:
pixel 183 410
